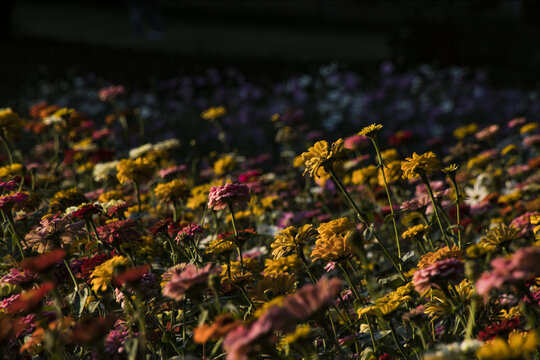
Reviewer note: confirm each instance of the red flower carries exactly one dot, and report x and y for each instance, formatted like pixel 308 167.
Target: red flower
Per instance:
pixel 30 299
pixel 86 211
pixel 90 331
pixel 88 265
pixel 43 262
pixel 131 276
pixel 119 232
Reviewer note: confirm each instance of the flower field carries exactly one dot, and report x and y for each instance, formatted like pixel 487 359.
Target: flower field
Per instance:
pixel 341 228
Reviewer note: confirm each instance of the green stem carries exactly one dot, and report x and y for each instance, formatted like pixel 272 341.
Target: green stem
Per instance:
pixel 435 208
pixel 71 274
pixel 396 340
pixel 8 150
pixel 456 190
pixel 381 166
pixel 237 238
pixel 138 194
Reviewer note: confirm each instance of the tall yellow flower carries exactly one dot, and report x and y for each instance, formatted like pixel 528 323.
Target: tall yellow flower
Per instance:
pixel 321 155
pixel 419 165
pixel 103 274
pixel 10 121
pixel 371 130
pixel 292 239
pixel 224 165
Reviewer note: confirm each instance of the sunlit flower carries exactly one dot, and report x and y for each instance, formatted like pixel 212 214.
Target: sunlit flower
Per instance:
pixel 371 130
pixel 321 156
pixel 438 275
pixel 416 232
pixel 518 346
pixel 189 278
pixel 138 170
pixel 418 165
pixel 103 274
pixel 174 191
pixel 213 113
pixel 292 239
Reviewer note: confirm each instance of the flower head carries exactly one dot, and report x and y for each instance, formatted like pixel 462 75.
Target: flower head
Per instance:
pixel 236 195
pixel 292 239
pixel 418 165
pixel 137 170
pixel 190 277
pixel 371 130
pixel 172 191
pixel 321 155
pixel 103 274
pixel 438 275
pixel 312 300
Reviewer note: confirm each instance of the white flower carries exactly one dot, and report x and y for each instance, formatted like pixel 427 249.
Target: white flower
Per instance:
pixel 475 194
pixel 167 144
pixel 140 151
pixel 105 170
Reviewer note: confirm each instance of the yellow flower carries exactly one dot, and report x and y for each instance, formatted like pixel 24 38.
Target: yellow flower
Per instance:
pixel 416 232
pixel 224 165
pixel 219 246
pixel 528 128
pixel 334 248
pixel 389 155
pixel 10 121
pixel 9 171
pixel 111 195
pixel 479 161
pixel 289 263
pixel 480 250
pixel 510 198
pixel 301 332
pixel 508 148
pixel 441 254
pixel 450 169
pixel 419 165
pixel 137 170
pixel 277 301
pixel 274 285
pixel 518 346
pixel 199 195
pixel 500 235
pixel 213 113
pixel 172 191
pixel 365 175
pixel 410 217
pixel 463 131
pixel 66 198
pixel 392 172
pixel 321 155
pixel 292 239
pixel 103 274
pixel 390 302
pixel 371 130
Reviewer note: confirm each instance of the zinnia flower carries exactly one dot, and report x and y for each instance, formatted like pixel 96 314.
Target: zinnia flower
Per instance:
pixel 371 130
pixel 312 300
pixel 103 274
pixel 189 278
pixel 54 232
pixel 292 239
pixel 235 195
pixel 321 155
pixel 418 165
pixel 118 232
pixel 137 170
pixel 438 275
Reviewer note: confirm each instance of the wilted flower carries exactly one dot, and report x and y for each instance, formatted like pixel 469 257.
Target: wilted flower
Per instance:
pixel 54 232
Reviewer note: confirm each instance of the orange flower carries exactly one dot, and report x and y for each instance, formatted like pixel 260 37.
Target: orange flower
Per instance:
pixel 30 299
pixel 43 262
pixel 219 328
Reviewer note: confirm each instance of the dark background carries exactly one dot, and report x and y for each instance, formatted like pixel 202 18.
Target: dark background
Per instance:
pixel 137 41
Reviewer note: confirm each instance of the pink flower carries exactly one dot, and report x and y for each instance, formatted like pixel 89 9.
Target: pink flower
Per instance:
pixel 171 170
pixel 523 223
pixel 438 275
pixel 242 341
pixel 17 277
pixel 516 122
pixel 189 231
pixel 355 141
pixel 311 300
pixel 8 186
pixel 507 273
pixel 487 132
pixel 531 140
pixel 189 278
pixel 7 201
pixel 111 92
pixel 231 194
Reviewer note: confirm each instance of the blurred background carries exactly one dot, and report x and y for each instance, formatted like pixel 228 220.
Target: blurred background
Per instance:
pixel 50 45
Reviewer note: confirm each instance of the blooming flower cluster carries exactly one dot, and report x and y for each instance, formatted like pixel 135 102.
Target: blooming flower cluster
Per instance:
pixel 366 246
